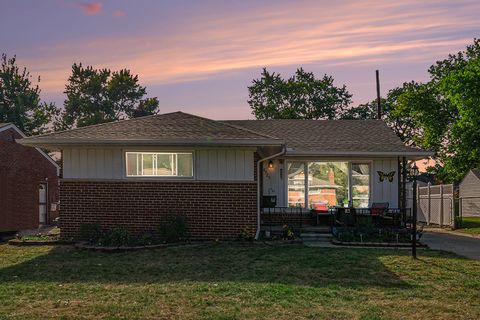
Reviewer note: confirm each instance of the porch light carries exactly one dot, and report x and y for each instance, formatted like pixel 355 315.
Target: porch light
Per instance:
pixel 270 164
pixel 414 172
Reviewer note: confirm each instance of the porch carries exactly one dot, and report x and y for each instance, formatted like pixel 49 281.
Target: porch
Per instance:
pixel 275 220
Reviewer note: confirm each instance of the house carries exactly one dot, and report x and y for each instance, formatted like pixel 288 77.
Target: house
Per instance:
pixel 28 183
pixel 469 192
pixel 135 172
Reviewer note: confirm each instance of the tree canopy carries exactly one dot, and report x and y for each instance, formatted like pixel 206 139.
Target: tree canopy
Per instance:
pixel 301 96
pixel 20 102
pixel 99 96
pixel 443 115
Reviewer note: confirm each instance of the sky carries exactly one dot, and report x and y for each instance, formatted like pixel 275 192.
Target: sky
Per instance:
pixel 200 56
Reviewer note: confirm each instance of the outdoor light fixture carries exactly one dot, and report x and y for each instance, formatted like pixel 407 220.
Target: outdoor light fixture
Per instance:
pixel 414 172
pixel 270 164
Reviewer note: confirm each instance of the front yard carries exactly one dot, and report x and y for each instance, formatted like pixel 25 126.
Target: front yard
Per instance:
pixel 237 281
pixel 470 225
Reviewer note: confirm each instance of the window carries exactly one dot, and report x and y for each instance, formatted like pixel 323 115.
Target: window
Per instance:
pixel 360 185
pixel 159 164
pixel 320 185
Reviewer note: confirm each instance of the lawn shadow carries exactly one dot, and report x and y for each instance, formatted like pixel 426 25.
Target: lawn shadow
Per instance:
pixel 238 262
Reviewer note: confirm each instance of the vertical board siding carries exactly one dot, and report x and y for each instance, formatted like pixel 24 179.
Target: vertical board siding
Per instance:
pixel 210 164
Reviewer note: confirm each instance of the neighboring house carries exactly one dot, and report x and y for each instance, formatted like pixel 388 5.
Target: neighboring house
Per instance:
pixel 28 183
pixel 470 193
pixel 135 172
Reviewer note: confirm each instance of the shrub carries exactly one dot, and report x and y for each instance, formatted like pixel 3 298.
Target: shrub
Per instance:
pixel 247 234
pixel 91 232
pixel 174 229
pixel 288 233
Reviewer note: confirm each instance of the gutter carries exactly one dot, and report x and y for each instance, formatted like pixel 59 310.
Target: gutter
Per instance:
pixel 259 162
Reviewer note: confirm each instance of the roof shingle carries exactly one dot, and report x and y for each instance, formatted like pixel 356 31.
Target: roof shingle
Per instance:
pixel 330 136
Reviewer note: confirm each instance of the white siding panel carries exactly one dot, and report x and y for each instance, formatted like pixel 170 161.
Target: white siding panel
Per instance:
pixel 91 164
pixel 201 165
pixel 213 173
pixel 239 163
pixel 108 163
pixel 230 159
pixel 248 166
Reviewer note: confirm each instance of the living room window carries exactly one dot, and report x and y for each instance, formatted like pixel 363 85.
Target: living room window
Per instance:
pixel 159 164
pixel 320 185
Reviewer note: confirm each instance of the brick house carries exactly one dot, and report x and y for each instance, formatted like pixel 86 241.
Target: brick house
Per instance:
pixel 135 172
pixel 28 183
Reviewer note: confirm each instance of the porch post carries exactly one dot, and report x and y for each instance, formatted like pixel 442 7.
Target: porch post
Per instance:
pixel 404 182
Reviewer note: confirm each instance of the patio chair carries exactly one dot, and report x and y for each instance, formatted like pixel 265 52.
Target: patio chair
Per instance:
pixel 379 208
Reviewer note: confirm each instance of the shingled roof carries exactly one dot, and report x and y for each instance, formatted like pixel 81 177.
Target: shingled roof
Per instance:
pixel 300 137
pixel 336 137
pixel 169 128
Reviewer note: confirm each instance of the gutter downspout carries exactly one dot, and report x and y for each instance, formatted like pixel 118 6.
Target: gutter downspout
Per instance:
pixel 257 234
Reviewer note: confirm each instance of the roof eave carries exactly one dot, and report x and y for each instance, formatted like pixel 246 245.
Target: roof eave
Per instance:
pixel 61 143
pixel 421 154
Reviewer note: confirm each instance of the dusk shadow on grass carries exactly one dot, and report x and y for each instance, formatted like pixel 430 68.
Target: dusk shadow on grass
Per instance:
pixel 293 264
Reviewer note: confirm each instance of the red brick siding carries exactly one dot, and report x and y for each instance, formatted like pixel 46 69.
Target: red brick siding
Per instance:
pixel 213 210
pixel 21 171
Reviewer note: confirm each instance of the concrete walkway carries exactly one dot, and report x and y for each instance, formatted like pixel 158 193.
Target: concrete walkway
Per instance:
pixel 462 245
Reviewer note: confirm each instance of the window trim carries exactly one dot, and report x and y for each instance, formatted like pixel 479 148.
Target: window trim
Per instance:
pixel 349 177
pixel 159 177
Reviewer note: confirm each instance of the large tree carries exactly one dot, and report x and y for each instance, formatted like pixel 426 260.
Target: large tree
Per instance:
pixel 99 95
pixel 301 96
pixel 20 99
pixel 443 115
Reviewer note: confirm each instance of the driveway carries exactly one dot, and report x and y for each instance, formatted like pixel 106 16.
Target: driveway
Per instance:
pixel 461 245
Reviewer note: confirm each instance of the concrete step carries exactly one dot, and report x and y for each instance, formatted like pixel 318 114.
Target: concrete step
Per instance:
pixel 316 237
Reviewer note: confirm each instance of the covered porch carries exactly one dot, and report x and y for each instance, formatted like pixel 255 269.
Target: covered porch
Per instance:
pixel 324 193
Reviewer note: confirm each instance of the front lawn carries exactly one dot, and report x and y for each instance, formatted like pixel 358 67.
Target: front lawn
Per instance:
pixel 237 281
pixel 470 225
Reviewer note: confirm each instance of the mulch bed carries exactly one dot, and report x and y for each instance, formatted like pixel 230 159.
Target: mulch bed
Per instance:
pixel 377 244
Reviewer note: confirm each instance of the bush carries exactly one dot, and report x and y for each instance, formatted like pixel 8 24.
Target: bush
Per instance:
pixel 288 233
pixel 91 232
pixel 174 229
pixel 247 234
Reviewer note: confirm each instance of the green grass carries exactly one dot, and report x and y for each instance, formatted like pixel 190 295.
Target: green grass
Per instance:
pixel 237 281
pixel 470 225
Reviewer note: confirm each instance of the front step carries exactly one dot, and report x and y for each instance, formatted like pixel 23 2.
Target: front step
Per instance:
pixel 316 237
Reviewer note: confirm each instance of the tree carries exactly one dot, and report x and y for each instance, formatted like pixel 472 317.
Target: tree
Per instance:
pixel 99 96
pixel 443 115
pixel 301 96
pixel 20 99
pixel 361 112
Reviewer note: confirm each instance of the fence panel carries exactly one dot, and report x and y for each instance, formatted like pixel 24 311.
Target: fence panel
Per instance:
pixel 435 205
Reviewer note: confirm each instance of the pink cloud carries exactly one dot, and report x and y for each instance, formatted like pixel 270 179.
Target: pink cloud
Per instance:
pixel 118 13
pixel 91 9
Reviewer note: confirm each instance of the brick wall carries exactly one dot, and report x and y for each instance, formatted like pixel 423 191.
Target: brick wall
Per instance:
pixel 21 171
pixel 213 209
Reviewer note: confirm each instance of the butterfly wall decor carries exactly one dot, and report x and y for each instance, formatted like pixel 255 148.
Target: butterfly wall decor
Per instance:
pixel 383 175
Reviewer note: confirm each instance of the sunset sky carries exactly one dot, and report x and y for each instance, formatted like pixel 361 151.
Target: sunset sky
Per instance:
pixel 200 56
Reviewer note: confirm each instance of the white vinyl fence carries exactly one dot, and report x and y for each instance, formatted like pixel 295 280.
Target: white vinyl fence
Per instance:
pixel 436 205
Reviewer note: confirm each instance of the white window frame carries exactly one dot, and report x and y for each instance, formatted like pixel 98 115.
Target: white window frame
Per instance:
pixel 174 164
pixel 349 177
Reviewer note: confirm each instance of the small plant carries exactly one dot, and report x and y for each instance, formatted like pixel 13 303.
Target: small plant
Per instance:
pixel 247 234
pixel 174 229
pixel 90 232
pixel 288 233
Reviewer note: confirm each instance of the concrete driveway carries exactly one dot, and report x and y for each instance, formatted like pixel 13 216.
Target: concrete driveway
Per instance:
pixel 461 245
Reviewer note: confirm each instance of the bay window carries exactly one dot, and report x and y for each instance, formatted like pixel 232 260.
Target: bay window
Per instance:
pixel 319 185
pixel 159 164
